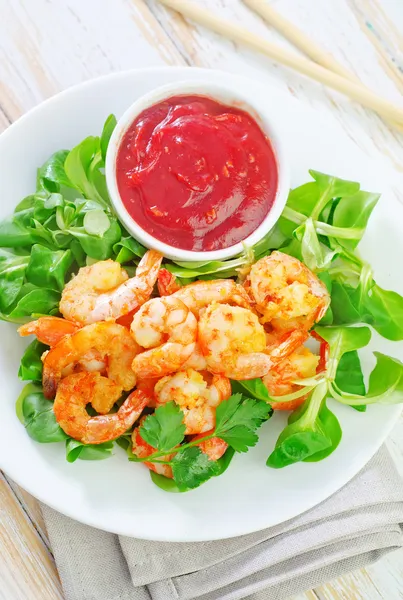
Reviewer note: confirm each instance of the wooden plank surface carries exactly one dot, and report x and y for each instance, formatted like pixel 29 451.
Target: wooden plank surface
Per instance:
pixel 27 570
pixel 48 45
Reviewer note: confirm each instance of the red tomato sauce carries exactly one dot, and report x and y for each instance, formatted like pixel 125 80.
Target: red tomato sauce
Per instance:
pixel 196 174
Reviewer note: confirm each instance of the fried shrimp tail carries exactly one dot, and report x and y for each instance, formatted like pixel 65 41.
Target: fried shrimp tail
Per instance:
pixel 48 330
pixel 167 283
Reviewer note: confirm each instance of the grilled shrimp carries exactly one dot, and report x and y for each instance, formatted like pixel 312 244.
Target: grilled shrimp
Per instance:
pixel 200 294
pixel 300 364
pixel 103 290
pixel 168 329
pixel 197 394
pixel 111 342
pixel 286 293
pixel 48 330
pixel 78 390
pixel 233 342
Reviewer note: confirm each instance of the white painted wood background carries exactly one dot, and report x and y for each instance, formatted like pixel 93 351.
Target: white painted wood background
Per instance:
pixel 48 45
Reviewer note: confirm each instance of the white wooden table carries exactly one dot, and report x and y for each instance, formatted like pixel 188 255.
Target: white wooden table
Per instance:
pixel 48 45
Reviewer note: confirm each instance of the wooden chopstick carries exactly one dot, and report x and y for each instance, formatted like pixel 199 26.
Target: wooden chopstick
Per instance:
pixel 298 38
pixel 354 90
pixel 304 43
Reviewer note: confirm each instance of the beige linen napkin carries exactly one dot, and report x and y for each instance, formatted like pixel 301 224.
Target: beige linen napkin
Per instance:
pixel 354 527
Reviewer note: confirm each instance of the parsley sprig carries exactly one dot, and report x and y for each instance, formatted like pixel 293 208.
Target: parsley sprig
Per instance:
pixel 237 420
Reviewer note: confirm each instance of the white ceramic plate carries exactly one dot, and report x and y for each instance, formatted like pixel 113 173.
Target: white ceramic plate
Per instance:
pixel 119 496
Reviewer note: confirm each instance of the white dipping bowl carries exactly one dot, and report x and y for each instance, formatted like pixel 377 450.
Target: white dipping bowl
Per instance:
pixel 229 96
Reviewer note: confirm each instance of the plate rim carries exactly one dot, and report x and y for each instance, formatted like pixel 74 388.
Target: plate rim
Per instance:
pixel 352 469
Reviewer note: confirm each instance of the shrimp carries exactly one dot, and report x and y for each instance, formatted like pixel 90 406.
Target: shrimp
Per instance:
pixel 197 394
pixel 76 391
pixel 103 290
pixel 200 294
pixel 110 340
pixel 48 330
pixel 279 380
pixel 167 283
pixel 286 293
pixel 214 448
pixel 233 342
pixel 168 329
pixel 141 449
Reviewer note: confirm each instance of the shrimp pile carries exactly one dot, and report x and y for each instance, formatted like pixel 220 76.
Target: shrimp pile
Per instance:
pixel 197 394
pixel 183 346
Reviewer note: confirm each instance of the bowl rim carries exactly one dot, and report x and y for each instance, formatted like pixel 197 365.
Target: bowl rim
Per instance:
pixel 225 94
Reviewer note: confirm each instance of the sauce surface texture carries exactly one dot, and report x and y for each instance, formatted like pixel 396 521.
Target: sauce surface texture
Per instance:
pixel 196 174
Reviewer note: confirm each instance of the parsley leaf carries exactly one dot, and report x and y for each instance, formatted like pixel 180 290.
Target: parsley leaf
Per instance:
pixel 240 438
pixel 191 467
pixel 165 428
pixel 237 420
